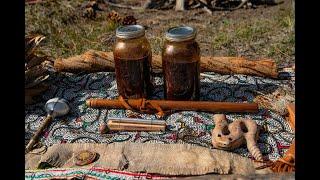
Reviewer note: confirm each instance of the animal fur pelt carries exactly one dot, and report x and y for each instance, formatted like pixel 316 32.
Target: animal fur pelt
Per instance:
pixel 167 159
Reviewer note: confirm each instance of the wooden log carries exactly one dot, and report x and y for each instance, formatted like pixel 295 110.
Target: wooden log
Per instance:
pixel 90 61
pixel 95 61
pixel 36 136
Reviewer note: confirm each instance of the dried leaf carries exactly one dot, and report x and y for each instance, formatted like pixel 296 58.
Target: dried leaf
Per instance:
pixel 35 60
pixel 31 42
pixel 37 68
pixel 35 72
pixel 37 81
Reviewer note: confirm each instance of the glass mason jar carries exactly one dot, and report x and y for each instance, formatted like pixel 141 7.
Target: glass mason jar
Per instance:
pixel 181 64
pixel 132 58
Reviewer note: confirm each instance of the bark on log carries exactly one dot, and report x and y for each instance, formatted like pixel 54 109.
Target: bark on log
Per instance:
pixel 95 61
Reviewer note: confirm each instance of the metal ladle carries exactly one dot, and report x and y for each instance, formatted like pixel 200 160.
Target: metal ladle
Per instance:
pixel 55 107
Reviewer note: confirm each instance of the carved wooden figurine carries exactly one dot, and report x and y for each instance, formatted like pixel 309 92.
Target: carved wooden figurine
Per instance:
pixel 230 136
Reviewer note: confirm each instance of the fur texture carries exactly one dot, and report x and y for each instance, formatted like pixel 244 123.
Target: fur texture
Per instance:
pixel 167 159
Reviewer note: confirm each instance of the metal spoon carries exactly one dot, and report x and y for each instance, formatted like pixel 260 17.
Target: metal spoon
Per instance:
pixel 55 107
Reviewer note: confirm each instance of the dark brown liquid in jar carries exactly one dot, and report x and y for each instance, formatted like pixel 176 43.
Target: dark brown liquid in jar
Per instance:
pixel 132 77
pixel 181 80
pixel 132 58
pixel 181 69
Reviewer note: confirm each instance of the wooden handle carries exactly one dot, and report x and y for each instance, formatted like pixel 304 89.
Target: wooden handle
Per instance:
pixel 36 136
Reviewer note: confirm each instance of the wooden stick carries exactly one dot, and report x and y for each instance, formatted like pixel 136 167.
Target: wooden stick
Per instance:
pixel 122 6
pixel 36 136
pixel 34 1
pixel 166 105
pixel 95 61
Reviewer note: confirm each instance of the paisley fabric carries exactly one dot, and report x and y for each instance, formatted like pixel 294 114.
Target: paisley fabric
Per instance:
pixel 82 123
pixel 88 174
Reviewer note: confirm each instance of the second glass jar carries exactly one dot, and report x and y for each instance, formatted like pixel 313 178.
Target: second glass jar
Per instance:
pixel 181 64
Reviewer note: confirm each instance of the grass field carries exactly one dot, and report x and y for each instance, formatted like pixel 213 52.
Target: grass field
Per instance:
pixel 265 32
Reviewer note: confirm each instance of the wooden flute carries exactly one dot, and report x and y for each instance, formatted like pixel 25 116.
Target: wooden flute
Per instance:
pixel 166 105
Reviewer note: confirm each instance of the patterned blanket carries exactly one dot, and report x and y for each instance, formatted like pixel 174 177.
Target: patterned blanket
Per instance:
pixel 82 123
pixel 89 174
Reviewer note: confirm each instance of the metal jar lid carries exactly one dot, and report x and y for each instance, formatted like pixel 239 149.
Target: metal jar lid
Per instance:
pixel 181 33
pixel 130 31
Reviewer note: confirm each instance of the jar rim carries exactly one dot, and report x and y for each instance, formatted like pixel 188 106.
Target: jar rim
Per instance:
pixel 181 33
pixel 130 31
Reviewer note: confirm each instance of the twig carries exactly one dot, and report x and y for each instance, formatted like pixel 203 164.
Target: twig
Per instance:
pixel 281 52
pixel 205 7
pixel 122 6
pixel 240 5
pixel 30 2
pixel 207 10
pixel 206 75
pixel 195 6
pixel 231 9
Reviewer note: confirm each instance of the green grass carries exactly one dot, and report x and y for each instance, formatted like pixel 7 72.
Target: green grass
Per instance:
pixel 68 33
pixel 285 47
pixel 252 31
pixel 222 39
pixel 268 37
pixel 234 33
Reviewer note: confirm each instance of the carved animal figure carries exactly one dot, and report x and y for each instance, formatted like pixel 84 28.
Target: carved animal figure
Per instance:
pixel 230 136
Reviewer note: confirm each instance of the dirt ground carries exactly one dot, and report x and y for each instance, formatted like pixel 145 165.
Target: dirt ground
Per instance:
pixel 263 32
